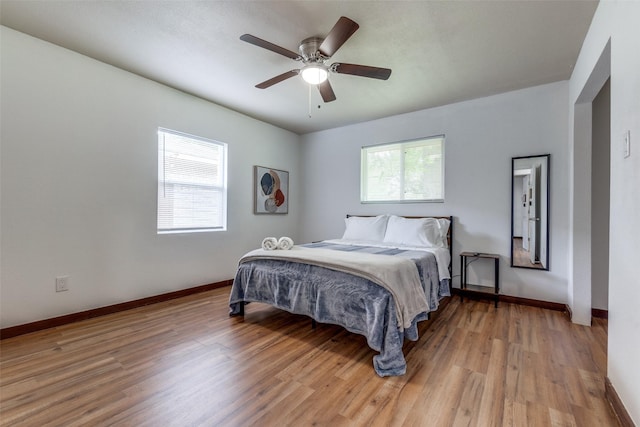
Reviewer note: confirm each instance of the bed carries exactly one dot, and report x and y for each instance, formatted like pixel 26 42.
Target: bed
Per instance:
pixel 384 276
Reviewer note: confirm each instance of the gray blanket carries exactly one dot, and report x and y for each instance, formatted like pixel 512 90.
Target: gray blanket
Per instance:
pixel 335 297
pixel 398 275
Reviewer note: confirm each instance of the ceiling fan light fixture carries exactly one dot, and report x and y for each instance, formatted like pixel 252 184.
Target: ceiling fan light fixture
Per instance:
pixel 313 53
pixel 314 74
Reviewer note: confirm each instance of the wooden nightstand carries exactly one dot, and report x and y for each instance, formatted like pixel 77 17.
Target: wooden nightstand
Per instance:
pixel 470 289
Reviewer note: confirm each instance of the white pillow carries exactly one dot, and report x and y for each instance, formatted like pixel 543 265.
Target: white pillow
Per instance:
pixel 413 232
pixel 365 228
pixel 444 229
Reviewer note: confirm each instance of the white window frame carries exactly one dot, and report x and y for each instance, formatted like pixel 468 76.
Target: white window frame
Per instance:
pixel 365 196
pixel 196 225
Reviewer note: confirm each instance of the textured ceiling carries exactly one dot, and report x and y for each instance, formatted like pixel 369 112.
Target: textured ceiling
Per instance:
pixel 440 51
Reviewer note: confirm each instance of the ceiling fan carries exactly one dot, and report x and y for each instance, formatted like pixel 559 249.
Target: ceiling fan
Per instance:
pixel 313 53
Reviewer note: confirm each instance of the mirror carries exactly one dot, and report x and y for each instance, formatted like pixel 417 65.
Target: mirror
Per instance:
pixel 530 212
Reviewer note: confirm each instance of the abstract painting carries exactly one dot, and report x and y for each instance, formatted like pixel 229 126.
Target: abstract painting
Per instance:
pixel 271 191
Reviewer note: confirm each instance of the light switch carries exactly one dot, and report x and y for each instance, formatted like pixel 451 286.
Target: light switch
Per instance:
pixel 627 144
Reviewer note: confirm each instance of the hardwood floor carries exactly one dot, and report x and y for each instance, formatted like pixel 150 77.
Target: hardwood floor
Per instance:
pixel 186 363
pixel 521 257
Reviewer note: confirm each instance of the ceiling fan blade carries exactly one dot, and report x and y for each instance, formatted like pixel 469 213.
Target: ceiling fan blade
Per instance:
pixel 277 79
pixel 326 91
pixel 339 34
pixel 362 70
pixel 269 46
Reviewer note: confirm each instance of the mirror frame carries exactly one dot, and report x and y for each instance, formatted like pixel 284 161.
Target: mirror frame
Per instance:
pixel 544 263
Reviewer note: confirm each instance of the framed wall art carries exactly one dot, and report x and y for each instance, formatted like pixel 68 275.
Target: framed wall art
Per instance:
pixel 271 191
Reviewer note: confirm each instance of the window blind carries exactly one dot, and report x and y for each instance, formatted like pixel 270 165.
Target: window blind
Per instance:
pixel 192 189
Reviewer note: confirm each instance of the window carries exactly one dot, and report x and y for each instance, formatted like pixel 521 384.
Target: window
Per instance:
pixel 409 171
pixel 192 183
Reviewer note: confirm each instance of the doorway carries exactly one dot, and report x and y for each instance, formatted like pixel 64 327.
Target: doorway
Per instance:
pixel 585 246
pixel 600 197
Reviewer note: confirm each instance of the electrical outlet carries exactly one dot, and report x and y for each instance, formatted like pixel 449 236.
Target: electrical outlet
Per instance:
pixel 62 283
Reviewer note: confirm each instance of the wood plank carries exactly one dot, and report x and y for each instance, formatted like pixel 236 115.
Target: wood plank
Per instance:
pixel 491 409
pixel 186 362
pixel 14 331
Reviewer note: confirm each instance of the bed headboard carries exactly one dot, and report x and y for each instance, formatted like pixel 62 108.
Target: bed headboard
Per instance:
pixel 449 233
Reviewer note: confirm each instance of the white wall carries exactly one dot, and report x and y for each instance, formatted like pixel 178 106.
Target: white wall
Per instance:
pixel 79 183
pixel 600 199
pixel 481 137
pixel 616 22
